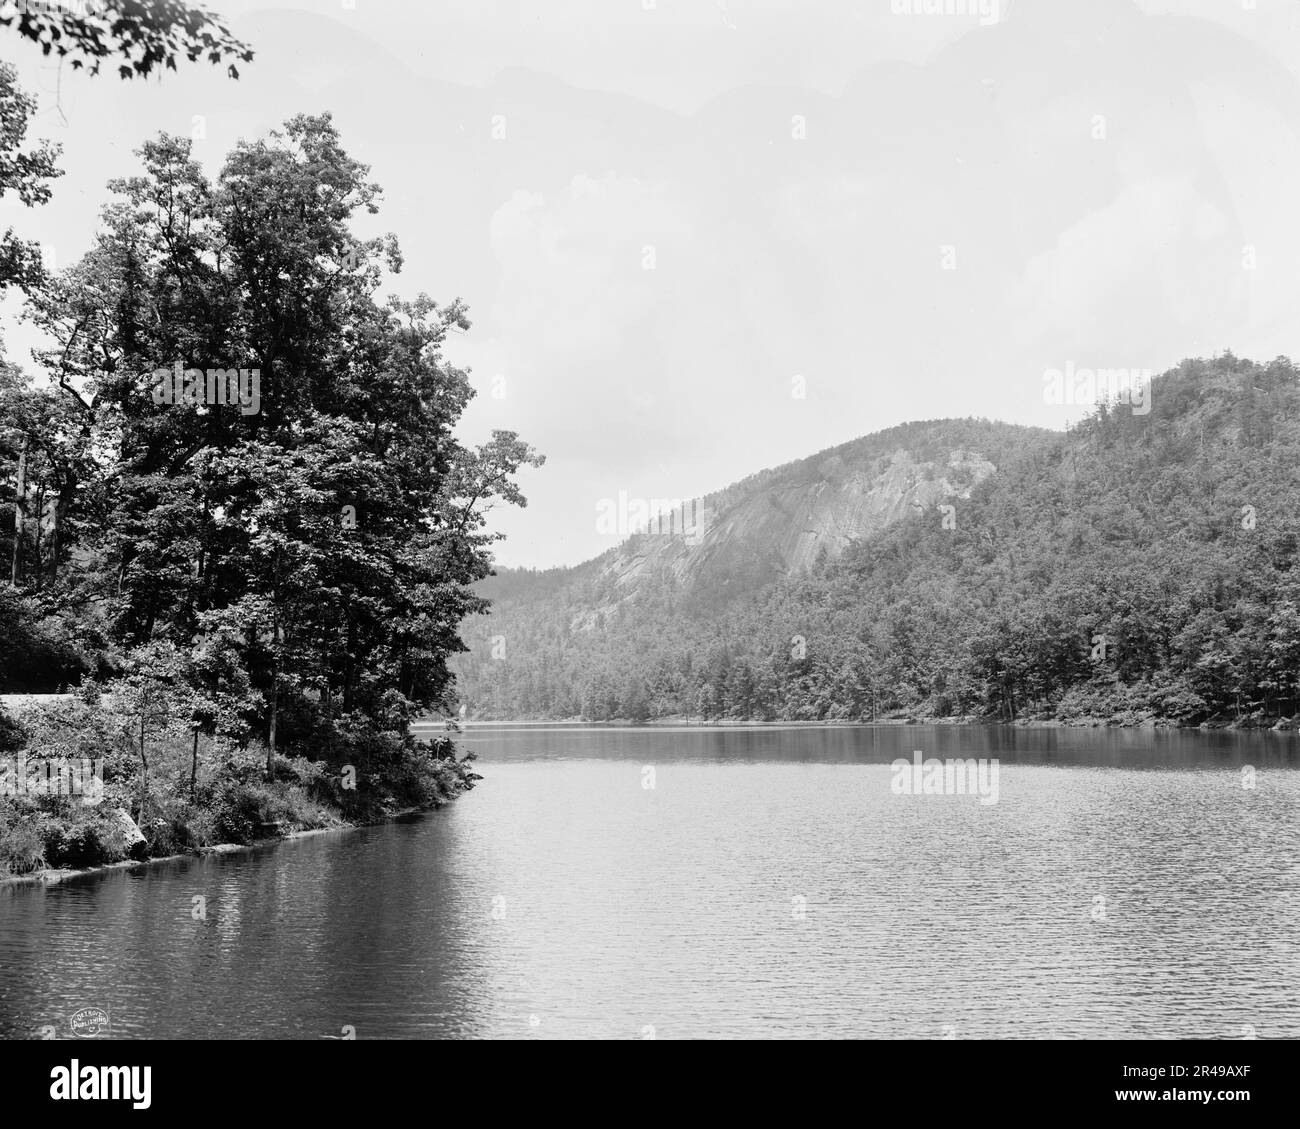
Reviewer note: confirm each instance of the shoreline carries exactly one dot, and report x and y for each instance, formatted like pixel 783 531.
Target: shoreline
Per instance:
pixel 1271 725
pixel 55 876
pixel 1280 723
pixel 265 813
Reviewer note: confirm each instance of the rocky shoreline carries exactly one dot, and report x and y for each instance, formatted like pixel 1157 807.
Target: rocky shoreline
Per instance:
pixel 54 876
pixel 75 797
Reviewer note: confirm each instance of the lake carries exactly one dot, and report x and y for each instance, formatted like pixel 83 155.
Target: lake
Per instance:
pixel 748 882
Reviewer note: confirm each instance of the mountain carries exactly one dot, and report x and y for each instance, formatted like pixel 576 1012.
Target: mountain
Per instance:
pixel 1139 568
pixel 735 542
pixel 780 522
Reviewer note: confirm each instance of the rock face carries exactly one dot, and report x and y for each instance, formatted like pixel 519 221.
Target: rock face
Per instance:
pixel 135 840
pixel 781 522
pixel 772 524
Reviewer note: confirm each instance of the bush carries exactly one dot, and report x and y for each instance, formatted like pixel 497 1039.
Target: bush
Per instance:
pixel 81 836
pixel 236 810
pixel 233 802
pixel 73 729
pixel 22 845
pixel 169 825
pixel 202 828
pixel 56 831
pixel 1181 704
pixel 315 777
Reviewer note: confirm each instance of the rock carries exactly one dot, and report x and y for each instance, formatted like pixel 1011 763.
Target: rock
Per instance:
pixel 779 522
pixel 136 844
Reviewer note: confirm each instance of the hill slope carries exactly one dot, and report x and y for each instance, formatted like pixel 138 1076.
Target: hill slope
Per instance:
pixel 782 521
pixel 1136 568
pixel 724 547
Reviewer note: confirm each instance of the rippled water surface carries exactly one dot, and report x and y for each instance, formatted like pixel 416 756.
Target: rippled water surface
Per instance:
pixel 769 884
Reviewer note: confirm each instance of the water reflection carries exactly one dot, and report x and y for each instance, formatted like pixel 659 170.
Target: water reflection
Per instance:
pixel 866 744
pixel 769 884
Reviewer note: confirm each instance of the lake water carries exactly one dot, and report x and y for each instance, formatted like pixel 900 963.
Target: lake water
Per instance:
pixel 769 884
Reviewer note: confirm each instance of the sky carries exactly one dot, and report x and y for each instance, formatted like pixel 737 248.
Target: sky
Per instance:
pixel 699 238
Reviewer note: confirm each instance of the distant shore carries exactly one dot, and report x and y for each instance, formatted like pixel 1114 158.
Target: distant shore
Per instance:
pixel 15 703
pixel 1275 724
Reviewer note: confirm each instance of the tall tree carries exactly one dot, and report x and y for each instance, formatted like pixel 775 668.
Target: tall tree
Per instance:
pixel 314 529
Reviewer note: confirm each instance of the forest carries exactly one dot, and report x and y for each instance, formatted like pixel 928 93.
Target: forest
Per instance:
pixel 1135 569
pixel 247 597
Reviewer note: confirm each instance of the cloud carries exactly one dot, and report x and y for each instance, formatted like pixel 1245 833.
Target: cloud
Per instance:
pixel 576 324
pixel 576 271
pixel 1151 242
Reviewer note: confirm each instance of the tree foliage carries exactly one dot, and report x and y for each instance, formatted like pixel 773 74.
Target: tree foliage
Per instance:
pixel 144 34
pixel 26 173
pixel 312 545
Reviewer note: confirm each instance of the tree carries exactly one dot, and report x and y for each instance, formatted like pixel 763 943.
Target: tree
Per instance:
pixel 635 705
pixel 706 702
pixel 27 174
pixel 317 540
pixel 146 34
pixel 151 694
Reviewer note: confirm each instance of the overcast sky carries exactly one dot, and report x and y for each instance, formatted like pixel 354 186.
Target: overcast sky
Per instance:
pixel 699 238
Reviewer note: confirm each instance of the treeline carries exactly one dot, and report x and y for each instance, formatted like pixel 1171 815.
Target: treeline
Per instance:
pixel 1137 568
pixel 287 571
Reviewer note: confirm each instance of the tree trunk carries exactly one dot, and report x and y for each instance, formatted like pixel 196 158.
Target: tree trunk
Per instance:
pixel 194 765
pixel 144 773
pixel 54 538
pixel 275 701
pixel 40 521
pixel 18 511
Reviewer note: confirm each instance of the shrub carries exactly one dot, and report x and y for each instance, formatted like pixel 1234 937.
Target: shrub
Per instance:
pixel 73 729
pixel 202 828
pixel 236 810
pixel 81 836
pixel 233 802
pixel 169 824
pixel 22 844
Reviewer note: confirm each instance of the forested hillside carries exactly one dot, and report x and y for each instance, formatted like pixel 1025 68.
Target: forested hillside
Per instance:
pixel 1137 568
